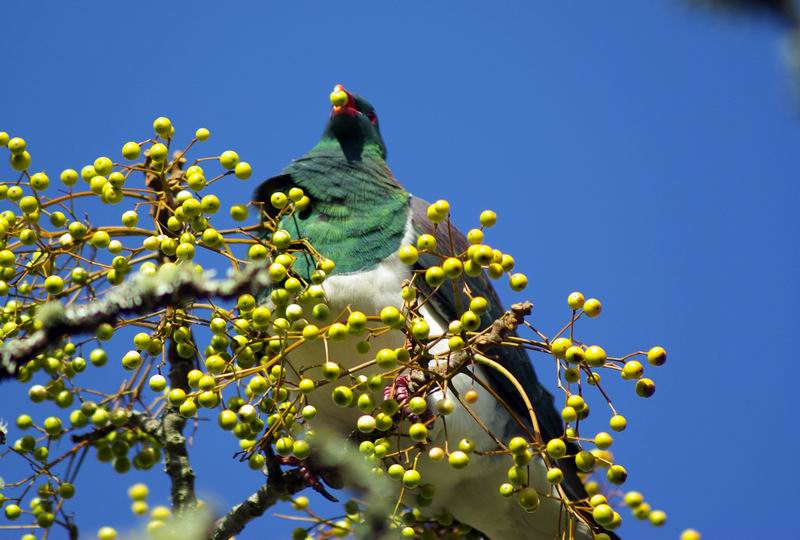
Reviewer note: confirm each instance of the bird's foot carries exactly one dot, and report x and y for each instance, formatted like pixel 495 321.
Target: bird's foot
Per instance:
pixel 401 390
pixel 312 478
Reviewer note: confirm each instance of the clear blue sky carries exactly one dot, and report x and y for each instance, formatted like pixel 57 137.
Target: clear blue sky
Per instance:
pixel 642 152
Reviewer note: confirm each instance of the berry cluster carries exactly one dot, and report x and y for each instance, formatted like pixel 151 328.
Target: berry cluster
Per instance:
pixel 242 375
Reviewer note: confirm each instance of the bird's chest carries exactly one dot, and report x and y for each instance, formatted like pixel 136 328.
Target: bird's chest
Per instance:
pixel 368 292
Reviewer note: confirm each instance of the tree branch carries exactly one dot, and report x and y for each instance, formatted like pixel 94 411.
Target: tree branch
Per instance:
pixel 140 295
pixel 176 455
pixel 505 325
pixel 279 484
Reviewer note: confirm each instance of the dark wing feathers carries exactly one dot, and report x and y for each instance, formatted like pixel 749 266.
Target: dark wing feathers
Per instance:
pixel 450 306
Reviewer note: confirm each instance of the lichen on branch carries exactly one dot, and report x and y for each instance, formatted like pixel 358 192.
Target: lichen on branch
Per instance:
pixel 142 294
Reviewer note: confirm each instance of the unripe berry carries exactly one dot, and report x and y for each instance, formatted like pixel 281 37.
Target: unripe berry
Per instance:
pixel 420 329
pixel 28 204
pixel 131 150
pixel 103 166
pixel 20 162
pixel 633 499
pixel 603 514
pixel 603 440
pixel 575 300
pixel 278 200
pixel 130 218
pixel 642 511
pixel 585 461
pixel 555 475
pixel 162 125
pixel 131 360
pixel 366 423
pixel 458 459
pixel 238 212
pixel 16 146
pixel 227 419
pixel 595 356
pixel 592 307
pixel 418 432
pixel 518 282
pixel 657 518
pixel 69 177
pixel 574 355
pixel 256 462
pixel 157 383
pixel 434 276
pixel 528 499
pixel 632 370
pixel 39 181
pixel 66 490
pixel 445 406
pixel 426 242
pixel 559 347
pixel 158 152
pixel 475 236
pixel 436 454
pixel 657 356
pixel 438 211
pixel 556 448
pixel 301 449
pixel 342 396
pixel 24 422
pixel 229 159
pixel 617 474
pixel 52 425
pixel 138 492
pixel 243 170
pixel 188 408
pixel 408 255
pixel 386 359
pixel 452 268
pixel 645 387
pixel 391 316
pixel 176 396
pixel 488 218
pixel 506 489
pixel 618 422
pixel 54 284
pixel 411 479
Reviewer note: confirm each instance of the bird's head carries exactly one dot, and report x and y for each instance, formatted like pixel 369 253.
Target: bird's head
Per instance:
pixel 353 123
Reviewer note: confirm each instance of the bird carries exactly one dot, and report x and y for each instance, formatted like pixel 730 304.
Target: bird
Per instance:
pixel 359 216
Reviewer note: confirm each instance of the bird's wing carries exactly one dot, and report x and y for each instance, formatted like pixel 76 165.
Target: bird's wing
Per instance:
pixel 449 302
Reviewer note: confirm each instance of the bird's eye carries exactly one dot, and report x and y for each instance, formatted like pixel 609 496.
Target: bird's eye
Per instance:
pixel 372 116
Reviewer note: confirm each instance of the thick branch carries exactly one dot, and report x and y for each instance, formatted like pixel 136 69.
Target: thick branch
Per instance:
pixel 168 431
pixel 176 455
pixel 278 486
pixel 141 295
pixel 176 462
